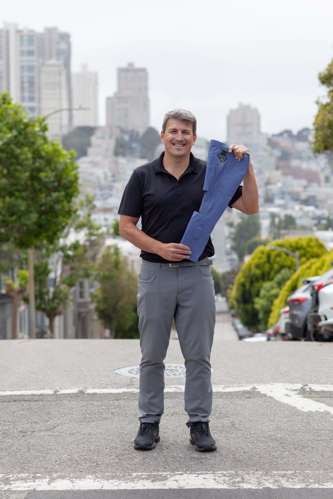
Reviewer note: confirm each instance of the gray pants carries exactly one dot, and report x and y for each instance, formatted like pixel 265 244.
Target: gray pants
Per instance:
pixel 183 292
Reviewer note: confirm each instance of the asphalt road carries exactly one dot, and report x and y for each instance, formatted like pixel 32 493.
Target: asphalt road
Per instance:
pixel 272 418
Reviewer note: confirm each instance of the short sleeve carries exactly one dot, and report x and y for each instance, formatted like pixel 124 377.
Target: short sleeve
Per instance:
pixel 236 196
pixel 131 203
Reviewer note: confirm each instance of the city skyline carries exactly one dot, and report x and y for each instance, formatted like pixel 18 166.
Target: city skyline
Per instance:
pixel 267 56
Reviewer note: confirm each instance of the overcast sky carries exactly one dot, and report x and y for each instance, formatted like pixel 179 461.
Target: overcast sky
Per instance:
pixel 206 55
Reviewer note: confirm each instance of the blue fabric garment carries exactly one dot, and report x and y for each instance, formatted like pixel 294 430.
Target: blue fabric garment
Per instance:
pixel 224 173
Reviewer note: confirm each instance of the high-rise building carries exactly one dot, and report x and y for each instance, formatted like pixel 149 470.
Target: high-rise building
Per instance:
pixel 56 46
pixel 23 53
pixel 54 96
pixel 19 66
pixel 243 126
pixel 85 94
pixel 9 51
pixel 129 107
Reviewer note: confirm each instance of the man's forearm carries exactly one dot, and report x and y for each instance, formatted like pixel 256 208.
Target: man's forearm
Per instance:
pixel 140 239
pixel 250 194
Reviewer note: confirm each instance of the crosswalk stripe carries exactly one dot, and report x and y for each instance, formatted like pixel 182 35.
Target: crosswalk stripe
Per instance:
pixel 218 480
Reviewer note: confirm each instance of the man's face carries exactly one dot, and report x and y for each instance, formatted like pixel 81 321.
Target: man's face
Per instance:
pixel 178 138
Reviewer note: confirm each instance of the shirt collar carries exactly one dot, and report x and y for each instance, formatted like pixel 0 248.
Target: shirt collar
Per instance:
pixel 159 168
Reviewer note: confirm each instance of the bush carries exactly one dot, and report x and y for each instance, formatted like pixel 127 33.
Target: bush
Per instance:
pixel 262 267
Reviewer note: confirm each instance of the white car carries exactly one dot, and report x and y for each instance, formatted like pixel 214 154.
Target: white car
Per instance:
pixel 325 311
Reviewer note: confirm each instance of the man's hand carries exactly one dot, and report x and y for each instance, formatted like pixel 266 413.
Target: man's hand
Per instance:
pixel 174 252
pixel 238 151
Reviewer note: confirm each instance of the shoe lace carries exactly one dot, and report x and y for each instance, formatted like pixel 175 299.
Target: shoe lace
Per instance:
pixel 147 427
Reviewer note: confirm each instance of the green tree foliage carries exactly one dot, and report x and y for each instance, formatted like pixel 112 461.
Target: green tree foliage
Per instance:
pixel 247 229
pixel 38 180
pixel 263 266
pixel 280 225
pixel 217 276
pixel 226 282
pixel 115 297
pixel 79 140
pixel 115 228
pixel 269 292
pixel 323 122
pixel 13 272
pixel 311 268
pixel 59 267
pixel 130 143
pixel 127 143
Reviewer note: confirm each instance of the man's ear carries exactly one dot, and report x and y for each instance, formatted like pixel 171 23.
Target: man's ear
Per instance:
pixel 194 138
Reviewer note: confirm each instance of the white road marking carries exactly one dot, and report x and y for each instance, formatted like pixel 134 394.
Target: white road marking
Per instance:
pixel 287 393
pixel 218 480
pixel 293 397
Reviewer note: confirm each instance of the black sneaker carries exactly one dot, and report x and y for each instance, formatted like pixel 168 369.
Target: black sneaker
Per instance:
pixel 201 437
pixel 147 437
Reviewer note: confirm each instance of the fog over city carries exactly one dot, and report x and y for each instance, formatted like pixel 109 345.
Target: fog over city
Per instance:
pixel 204 56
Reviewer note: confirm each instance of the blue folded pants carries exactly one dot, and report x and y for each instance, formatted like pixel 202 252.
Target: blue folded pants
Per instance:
pixel 224 173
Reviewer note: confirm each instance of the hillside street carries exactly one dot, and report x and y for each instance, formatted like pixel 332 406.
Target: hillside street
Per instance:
pixel 68 421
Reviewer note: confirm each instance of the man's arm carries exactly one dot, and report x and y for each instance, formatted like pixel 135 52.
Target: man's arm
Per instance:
pixel 249 201
pixel 173 252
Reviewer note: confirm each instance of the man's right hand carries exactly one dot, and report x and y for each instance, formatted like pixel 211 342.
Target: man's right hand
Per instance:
pixel 174 252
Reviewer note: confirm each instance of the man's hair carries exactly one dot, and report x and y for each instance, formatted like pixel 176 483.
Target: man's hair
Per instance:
pixel 182 115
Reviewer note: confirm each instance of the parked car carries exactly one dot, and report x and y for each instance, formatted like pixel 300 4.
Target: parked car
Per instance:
pixel 279 330
pixel 315 316
pixel 321 321
pixel 299 304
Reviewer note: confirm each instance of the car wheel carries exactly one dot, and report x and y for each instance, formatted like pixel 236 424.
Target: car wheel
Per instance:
pixel 308 334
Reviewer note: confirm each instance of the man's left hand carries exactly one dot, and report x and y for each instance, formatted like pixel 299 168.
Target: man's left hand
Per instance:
pixel 238 151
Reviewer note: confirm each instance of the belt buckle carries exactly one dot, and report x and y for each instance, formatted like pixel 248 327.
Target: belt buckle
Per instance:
pixel 173 265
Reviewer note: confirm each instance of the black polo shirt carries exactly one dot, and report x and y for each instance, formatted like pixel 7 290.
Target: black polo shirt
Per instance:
pixel 164 203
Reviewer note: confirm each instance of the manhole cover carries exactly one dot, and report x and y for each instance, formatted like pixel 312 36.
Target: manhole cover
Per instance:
pixel 171 371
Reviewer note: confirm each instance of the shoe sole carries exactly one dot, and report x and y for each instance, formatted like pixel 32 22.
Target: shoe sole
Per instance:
pixel 203 449
pixel 151 447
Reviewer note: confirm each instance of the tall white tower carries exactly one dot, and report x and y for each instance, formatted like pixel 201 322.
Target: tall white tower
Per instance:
pixel 129 107
pixel 85 94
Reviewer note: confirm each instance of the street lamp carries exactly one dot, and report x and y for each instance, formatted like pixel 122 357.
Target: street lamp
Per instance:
pixel 293 254
pixel 80 108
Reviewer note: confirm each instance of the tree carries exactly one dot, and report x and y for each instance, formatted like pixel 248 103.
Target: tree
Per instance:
pixel 79 139
pixel 323 122
pixel 115 228
pixel 115 297
pixel 262 267
pixel 38 184
pixel 247 229
pixel 280 225
pixel 227 280
pixel 150 139
pixel 74 258
pixel 269 292
pixel 217 281
pixel 14 275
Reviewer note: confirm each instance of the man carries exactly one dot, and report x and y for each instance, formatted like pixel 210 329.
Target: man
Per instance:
pixel 164 193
